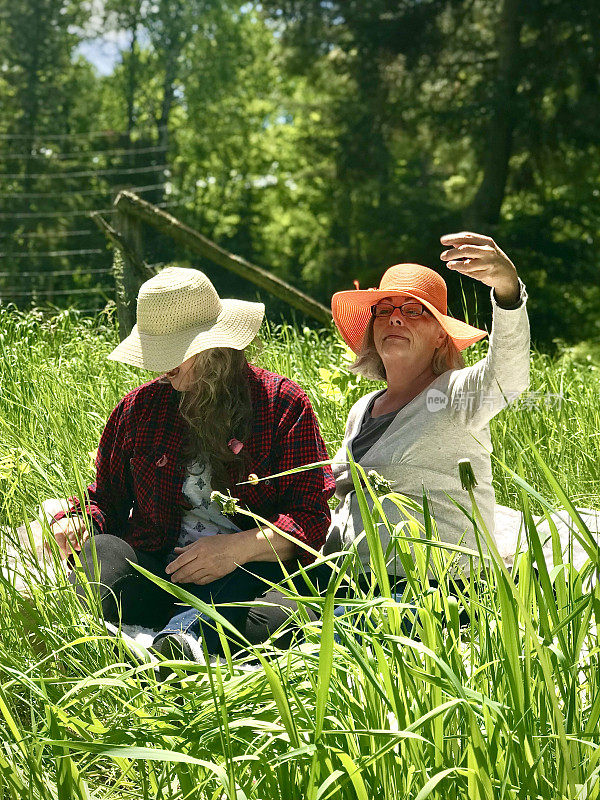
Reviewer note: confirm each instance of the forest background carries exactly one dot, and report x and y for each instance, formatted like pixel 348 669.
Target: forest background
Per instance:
pixel 321 140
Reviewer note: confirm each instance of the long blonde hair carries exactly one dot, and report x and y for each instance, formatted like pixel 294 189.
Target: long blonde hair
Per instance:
pixel 368 362
pixel 217 408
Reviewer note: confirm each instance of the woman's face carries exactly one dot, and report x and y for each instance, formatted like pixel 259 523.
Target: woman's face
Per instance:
pixel 406 341
pixel 181 377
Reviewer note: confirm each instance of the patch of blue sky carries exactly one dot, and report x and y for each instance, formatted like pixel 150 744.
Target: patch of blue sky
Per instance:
pixel 105 50
pixel 103 53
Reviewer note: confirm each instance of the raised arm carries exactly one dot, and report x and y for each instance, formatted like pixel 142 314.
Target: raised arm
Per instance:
pixel 479 392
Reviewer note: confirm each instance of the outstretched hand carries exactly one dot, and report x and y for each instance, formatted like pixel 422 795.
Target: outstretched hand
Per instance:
pixel 479 257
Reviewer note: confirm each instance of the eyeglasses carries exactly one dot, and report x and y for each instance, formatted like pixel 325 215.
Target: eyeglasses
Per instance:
pixel 409 310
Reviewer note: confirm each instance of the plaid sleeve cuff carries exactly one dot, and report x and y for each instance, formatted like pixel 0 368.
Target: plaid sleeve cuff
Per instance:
pixel 311 531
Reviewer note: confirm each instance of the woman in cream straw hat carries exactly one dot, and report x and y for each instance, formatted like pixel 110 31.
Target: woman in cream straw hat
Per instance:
pixel 434 411
pixel 211 421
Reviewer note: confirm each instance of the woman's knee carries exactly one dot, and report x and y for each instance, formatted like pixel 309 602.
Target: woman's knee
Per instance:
pixel 281 615
pixel 104 562
pixel 107 558
pixel 125 594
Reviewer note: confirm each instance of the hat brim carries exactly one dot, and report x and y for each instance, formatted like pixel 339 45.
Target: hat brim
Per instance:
pixel 352 312
pixel 236 326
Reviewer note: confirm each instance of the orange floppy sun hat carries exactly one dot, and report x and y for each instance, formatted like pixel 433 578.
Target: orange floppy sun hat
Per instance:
pixel 352 309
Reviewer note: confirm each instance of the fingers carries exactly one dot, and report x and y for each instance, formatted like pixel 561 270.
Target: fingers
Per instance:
pixel 182 559
pixel 466 237
pixel 70 534
pixel 78 537
pixel 208 578
pixel 469 271
pixel 191 573
pixel 468 251
pixel 66 544
pixel 61 541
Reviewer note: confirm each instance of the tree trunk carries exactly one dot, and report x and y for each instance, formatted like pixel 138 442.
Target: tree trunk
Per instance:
pixel 170 77
pixel 484 210
pixel 132 80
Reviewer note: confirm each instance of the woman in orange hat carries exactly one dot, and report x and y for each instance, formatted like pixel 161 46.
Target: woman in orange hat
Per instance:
pixel 433 411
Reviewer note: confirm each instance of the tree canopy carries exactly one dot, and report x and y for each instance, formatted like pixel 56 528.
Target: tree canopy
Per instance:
pixel 322 140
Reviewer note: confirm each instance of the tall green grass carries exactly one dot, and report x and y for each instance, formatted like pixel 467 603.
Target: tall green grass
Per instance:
pixel 484 689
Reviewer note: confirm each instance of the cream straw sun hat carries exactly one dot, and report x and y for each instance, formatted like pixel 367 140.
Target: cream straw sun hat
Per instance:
pixel 179 314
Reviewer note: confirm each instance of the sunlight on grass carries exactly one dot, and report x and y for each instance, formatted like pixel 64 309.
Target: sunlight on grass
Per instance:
pixel 485 687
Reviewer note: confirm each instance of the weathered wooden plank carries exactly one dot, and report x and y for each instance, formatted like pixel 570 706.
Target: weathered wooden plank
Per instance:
pixel 129 204
pixel 117 239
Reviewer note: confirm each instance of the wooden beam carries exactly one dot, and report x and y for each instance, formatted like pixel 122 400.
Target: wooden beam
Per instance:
pixel 115 237
pixel 130 204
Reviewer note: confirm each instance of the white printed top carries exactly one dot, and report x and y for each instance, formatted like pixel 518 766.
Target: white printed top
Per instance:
pixel 205 517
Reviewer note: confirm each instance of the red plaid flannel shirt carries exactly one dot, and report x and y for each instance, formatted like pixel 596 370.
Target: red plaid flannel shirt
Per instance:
pixel 137 494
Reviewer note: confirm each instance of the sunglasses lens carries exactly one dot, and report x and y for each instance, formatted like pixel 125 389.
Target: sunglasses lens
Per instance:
pixel 412 309
pixel 383 310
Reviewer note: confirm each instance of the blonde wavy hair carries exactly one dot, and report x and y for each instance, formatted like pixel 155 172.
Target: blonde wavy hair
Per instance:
pixel 368 362
pixel 217 408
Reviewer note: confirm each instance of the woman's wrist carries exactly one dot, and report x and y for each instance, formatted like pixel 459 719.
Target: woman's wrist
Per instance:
pixel 508 293
pixel 261 545
pixel 59 517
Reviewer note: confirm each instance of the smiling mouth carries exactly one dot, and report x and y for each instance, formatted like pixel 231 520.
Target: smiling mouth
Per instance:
pixel 396 336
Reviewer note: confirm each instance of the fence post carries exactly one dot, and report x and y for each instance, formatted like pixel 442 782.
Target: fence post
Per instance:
pixel 128 269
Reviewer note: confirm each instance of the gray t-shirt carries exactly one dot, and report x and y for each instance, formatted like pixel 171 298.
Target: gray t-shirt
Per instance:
pixel 371 429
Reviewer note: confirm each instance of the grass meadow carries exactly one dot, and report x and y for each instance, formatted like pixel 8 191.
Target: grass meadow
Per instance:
pixel 489 691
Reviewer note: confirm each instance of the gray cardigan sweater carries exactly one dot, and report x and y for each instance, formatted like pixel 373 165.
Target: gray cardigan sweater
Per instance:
pixel 446 422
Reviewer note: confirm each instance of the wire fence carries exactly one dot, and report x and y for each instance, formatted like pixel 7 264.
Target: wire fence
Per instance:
pixel 49 254
pixel 77 213
pixel 60 292
pixel 84 193
pixel 61 273
pixel 54 183
pixel 90 173
pixel 50 235
pixel 48 155
pixel 85 135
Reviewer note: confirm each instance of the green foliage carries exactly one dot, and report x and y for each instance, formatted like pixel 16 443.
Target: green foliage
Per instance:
pixel 323 141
